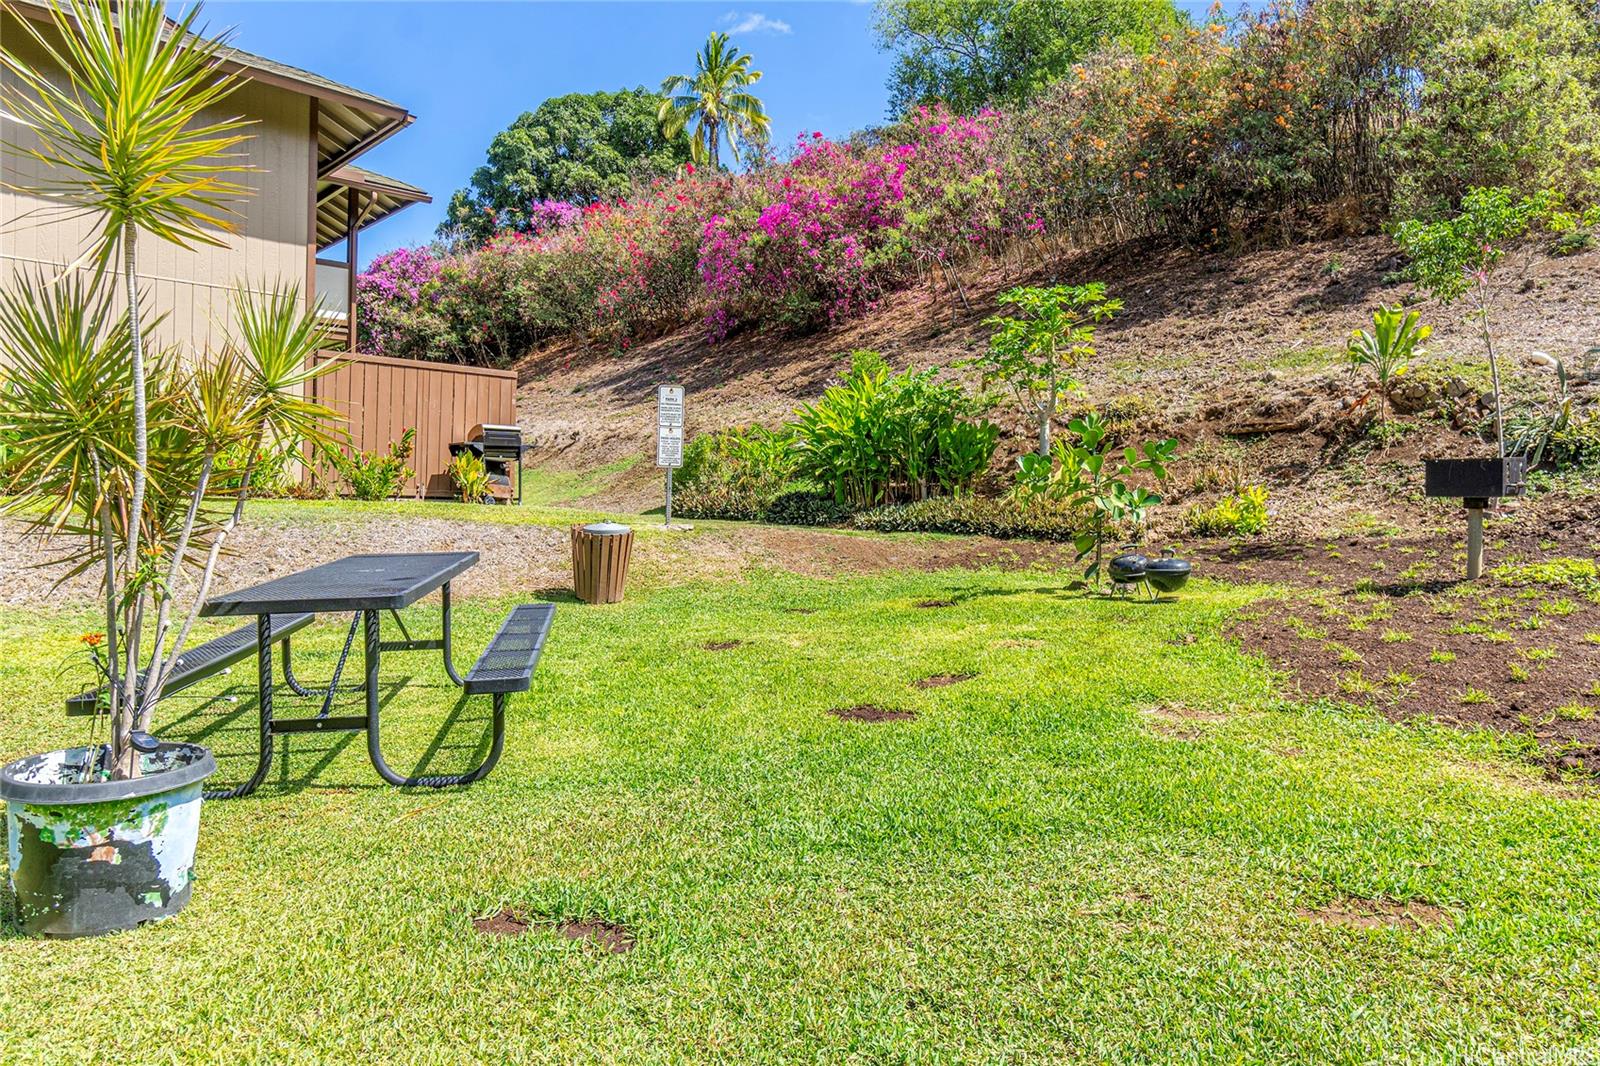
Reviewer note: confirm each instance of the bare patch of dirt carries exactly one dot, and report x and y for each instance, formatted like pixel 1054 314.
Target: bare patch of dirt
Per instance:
pixel 1180 721
pixel 504 924
pixel 722 645
pixel 942 680
pixel 1352 912
pixel 607 936
pixel 1516 657
pixel 867 712
pixel 934 604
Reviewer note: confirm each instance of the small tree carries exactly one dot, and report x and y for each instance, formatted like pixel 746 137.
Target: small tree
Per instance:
pixel 1091 475
pixel 115 443
pixel 1394 340
pixel 1456 257
pixel 1036 351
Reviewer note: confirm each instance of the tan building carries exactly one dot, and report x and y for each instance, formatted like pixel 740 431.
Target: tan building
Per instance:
pixel 307 197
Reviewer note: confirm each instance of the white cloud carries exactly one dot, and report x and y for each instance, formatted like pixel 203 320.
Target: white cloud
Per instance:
pixel 753 22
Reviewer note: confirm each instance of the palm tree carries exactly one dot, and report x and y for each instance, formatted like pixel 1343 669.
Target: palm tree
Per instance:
pixel 128 135
pixel 716 102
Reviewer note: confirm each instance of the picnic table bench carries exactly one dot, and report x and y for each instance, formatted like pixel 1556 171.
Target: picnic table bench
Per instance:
pixel 363 586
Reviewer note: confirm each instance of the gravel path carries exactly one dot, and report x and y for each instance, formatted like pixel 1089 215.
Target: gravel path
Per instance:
pixel 513 557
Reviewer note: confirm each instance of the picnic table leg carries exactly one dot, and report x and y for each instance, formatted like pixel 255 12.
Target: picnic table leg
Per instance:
pixel 449 663
pixel 288 672
pixel 264 696
pixel 374 746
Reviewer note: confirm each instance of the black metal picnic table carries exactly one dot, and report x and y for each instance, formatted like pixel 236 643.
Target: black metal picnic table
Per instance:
pixel 362 586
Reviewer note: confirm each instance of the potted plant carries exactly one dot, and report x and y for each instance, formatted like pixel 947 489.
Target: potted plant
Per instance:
pixel 116 447
pixel 1454 258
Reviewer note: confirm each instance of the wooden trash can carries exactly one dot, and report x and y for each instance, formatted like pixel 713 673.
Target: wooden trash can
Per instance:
pixel 600 554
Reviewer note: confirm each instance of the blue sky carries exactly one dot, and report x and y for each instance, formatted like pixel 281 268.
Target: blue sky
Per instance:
pixel 466 70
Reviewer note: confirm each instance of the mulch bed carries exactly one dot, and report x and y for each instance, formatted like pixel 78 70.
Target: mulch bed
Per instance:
pixel 1389 624
pixel 867 712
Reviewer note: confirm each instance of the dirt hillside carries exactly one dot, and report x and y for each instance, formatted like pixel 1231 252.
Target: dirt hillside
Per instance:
pixel 1239 356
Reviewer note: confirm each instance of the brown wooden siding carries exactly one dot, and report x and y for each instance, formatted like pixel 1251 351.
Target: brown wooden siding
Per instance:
pixel 380 398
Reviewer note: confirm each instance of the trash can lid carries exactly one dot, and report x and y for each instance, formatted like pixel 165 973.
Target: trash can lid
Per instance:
pixel 606 529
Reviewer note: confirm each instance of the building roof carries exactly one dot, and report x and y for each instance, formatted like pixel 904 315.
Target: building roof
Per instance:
pixel 378 197
pixel 348 120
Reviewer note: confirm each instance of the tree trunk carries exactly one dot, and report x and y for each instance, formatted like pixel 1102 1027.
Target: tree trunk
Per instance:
pixel 1494 374
pixel 122 722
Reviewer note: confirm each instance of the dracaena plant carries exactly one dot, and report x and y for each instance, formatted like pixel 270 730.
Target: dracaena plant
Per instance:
pixel 1387 349
pixel 127 134
pixel 69 403
pixel 1091 475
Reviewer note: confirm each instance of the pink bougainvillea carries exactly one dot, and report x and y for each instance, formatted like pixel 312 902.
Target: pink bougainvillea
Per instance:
pixel 817 238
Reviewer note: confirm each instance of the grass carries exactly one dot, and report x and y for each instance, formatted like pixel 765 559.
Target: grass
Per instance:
pixel 546 488
pixel 1029 871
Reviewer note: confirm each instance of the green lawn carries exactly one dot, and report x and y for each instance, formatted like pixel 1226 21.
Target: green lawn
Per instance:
pixel 1032 870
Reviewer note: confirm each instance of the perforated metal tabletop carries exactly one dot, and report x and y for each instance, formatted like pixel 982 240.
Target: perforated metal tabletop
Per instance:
pixel 355 583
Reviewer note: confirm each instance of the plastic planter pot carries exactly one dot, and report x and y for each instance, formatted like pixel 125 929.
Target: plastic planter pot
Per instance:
pixel 99 856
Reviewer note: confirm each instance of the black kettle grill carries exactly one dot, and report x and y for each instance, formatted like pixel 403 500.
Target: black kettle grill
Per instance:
pixel 1167 573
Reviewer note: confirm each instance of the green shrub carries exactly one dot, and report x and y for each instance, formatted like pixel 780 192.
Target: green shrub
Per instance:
pixel 1577 444
pixel 272 475
pixel 741 502
pixel 1238 514
pixel 977 515
pixel 878 436
pixel 734 473
pixel 375 475
pixel 807 507
pixel 470 477
pixel 1572 242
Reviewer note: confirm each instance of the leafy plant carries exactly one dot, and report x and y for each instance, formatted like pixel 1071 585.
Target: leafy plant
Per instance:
pixel 806 507
pixel 1239 514
pixel 1387 349
pixel 964 452
pixel 1552 429
pixel 878 436
pixel 1456 257
pixel 1035 352
pixel 1092 475
pixel 469 476
pixel 984 516
pixel 374 475
pixel 116 447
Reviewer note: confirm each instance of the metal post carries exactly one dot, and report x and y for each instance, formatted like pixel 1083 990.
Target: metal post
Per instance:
pixel 1474 539
pixel 668 520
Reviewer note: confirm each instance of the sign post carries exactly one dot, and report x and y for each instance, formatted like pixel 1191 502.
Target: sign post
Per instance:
pixel 669 436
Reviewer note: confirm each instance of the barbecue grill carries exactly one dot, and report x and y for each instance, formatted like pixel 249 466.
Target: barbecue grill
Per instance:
pixel 500 448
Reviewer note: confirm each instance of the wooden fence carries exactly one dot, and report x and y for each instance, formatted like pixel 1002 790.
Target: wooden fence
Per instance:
pixel 381 398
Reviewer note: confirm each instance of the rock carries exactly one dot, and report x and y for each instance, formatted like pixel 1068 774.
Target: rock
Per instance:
pixel 1269 377
pixel 1409 395
pixel 1456 388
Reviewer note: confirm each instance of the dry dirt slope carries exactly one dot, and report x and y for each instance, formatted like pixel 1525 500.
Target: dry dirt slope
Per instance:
pixel 1210 348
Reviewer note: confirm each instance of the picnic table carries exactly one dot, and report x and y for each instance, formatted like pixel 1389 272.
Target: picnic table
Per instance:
pixel 365 586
